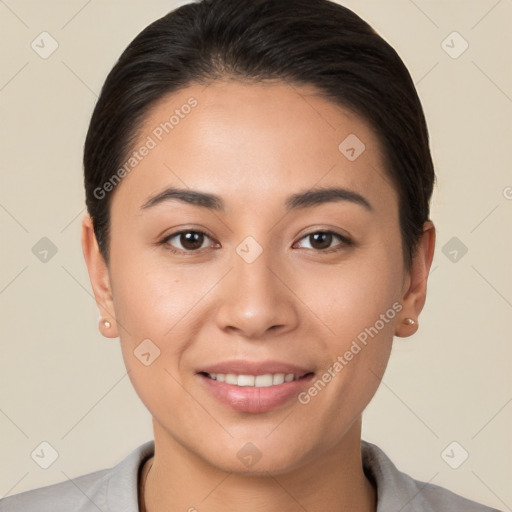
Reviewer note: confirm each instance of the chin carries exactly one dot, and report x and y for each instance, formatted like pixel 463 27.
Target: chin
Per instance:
pixel 250 459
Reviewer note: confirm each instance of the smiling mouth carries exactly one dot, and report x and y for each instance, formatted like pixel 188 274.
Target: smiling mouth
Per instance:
pixel 258 381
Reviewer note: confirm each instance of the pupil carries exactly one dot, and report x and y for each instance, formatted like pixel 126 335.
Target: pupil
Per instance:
pixel 322 237
pixel 191 240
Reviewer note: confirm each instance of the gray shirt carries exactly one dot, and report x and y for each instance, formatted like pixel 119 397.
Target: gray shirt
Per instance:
pixel 115 489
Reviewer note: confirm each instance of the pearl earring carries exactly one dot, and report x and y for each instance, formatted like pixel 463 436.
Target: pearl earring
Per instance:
pixel 106 323
pixel 409 321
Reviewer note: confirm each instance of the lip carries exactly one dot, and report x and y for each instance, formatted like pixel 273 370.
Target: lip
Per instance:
pixel 254 399
pixel 241 367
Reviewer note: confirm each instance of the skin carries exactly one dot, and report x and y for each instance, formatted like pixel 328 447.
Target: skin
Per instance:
pixel 254 145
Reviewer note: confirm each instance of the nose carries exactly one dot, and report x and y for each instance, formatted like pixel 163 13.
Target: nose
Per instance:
pixel 255 298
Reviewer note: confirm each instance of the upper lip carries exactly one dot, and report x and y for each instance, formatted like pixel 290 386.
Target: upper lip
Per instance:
pixel 244 367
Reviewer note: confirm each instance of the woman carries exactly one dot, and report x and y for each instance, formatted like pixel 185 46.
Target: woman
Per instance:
pixel 258 179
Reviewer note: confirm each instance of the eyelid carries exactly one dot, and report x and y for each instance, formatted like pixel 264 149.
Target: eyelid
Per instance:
pixel 346 241
pixel 164 241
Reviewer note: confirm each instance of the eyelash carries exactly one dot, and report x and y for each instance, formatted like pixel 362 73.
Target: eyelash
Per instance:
pixel 345 242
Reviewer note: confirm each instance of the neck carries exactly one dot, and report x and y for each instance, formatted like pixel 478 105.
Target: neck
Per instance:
pixel 333 481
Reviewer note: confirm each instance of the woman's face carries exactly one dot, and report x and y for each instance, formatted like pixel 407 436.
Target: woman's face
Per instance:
pixel 251 278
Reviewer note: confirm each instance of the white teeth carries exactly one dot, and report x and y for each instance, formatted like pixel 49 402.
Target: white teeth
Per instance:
pixel 263 381
pixel 231 378
pixel 259 381
pixel 245 380
pixel 278 378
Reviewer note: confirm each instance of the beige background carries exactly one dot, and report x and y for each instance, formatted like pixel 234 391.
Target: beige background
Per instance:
pixel 62 382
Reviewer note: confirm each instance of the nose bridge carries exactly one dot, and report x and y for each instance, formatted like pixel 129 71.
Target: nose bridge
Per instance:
pixel 253 297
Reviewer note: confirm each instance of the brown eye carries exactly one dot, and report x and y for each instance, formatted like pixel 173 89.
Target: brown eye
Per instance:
pixel 189 241
pixel 322 240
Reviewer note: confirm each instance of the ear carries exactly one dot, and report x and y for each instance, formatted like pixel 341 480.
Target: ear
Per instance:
pixel 414 291
pixel 99 277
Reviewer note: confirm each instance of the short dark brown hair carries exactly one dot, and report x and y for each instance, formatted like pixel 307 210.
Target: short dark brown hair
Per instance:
pixel 306 42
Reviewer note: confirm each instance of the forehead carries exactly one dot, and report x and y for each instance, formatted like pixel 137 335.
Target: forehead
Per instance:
pixel 253 141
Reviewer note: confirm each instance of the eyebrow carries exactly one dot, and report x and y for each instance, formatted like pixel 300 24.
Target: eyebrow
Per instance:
pixel 312 197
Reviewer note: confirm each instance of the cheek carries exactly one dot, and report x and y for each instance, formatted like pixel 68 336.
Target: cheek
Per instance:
pixel 153 305
pixel 359 304
pixel 163 303
pixel 150 295
pixel 351 296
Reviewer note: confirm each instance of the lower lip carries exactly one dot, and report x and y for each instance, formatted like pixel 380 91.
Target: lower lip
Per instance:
pixel 253 399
